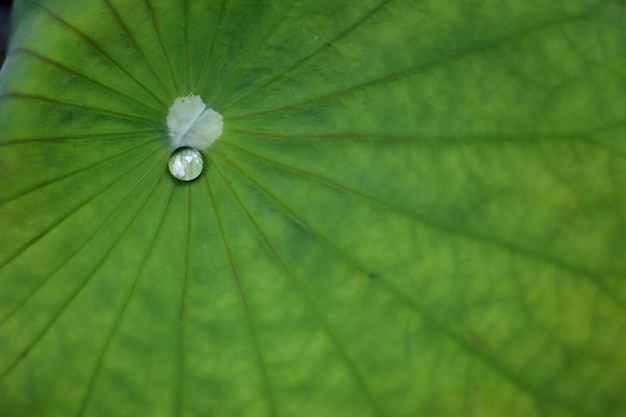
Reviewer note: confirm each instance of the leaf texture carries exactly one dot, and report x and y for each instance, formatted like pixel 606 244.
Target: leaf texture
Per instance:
pixel 415 208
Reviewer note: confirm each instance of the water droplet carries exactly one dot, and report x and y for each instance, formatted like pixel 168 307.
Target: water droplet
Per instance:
pixel 186 163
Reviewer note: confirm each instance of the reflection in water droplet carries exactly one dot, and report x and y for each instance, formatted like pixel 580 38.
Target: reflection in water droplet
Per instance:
pixel 186 164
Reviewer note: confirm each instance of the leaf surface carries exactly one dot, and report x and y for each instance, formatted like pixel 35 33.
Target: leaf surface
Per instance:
pixel 415 208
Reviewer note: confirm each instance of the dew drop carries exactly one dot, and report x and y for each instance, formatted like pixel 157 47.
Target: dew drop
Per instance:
pixel 186 164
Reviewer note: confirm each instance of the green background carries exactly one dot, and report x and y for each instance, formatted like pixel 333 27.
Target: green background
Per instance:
pixel 417 208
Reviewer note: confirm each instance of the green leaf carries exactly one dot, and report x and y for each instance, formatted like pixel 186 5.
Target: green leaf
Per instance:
pixel 416 208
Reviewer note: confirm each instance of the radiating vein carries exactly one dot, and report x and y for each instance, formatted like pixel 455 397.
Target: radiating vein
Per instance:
pixel 70 255
pixel 65 24
pixel 73 210
pixel 433 223
pixel 400 75
pixel 486 357
pixel 83 136
pixel 82 284
pixel 413 305
pixel 129 295
pixel 611 149
pixel 267 389
pixel 131 38
pixel 186 44
pixel 209 54
pixel 323 46
pixel 89 80
pixel 182 313
pixel 68 174
pixel 228 80
pixel 166 55
pixel 95 110
pixel 293 281
pixel 486 138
